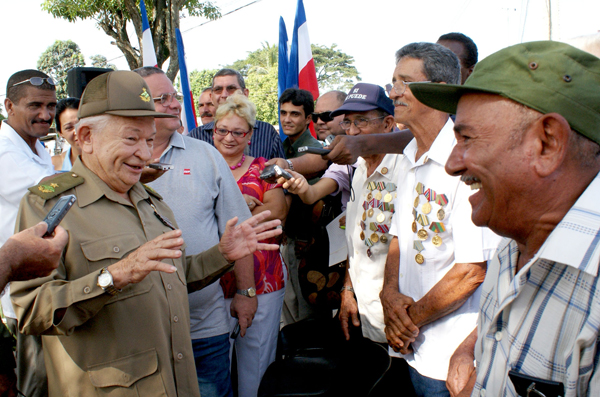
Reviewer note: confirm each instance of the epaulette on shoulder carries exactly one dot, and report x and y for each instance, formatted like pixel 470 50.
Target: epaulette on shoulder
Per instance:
pixel 54 185
pixel 152 191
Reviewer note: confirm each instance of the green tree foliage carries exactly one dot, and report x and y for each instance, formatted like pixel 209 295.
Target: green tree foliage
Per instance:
pixel 199 80
pixel 100 61
pixel 335 71
pixel 57 60
pixel 112 17
pixel 334 68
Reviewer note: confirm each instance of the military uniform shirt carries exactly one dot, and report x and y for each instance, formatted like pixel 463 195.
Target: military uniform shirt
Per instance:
pixel 136 343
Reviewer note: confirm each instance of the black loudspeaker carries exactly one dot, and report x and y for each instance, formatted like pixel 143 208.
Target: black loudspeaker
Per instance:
pixel 78 78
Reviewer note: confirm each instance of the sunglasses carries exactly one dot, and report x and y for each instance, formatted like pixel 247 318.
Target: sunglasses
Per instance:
pixel 37 81
pixel 325 116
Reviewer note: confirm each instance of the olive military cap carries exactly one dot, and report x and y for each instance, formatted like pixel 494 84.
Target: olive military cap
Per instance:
pixel 546 76
pixel 120 93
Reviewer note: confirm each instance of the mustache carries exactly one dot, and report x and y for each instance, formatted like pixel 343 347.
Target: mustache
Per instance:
pixel 39 121
pixel 469 179
pixel 398 102
pixel 206 114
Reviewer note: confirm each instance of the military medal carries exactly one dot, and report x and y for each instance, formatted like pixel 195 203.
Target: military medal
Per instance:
pixel 384 170
pixel 384 239
pixel 422 234
pixel 416 201
pixel 419 258
pixel 374 237
pixel 426 208
pixel 441 214
pixel 381 217
pixel 362 235
pixel 378 195
pixel 437 227
pixel 370 212
pixel 436 240
pixel 414 226
pixel 369 196
pixel 364 216
pixel 387 198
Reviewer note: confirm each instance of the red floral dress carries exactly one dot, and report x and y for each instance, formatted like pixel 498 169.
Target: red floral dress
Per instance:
pixel 268 268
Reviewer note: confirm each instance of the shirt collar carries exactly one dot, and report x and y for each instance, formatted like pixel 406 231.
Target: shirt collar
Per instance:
pixel 580 231
pixel 302 140
pixel 440 148
pixel 20 143
pixel 389 163
pixel 94 188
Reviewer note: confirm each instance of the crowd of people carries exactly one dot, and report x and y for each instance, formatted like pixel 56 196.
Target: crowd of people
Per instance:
pixel 464 191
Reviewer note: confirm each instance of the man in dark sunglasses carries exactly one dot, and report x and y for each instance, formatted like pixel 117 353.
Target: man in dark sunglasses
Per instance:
pixel 325 125
pixel 30 103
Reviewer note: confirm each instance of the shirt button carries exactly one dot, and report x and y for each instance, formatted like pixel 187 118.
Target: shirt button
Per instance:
pixel 116 249
pixel 169 286
pixel 179 356
pixel 86 290
pixel 482 392
pixel 176 319
pixel 498 336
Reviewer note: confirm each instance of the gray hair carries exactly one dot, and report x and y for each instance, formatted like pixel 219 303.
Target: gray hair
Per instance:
pixel 146 71
pixel 96 123
pixel 439 63
pixel 230 72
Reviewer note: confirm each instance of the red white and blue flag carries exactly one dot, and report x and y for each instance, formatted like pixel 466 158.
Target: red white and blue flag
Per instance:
pixel 148 53
pixel 188 113
pixel 301 70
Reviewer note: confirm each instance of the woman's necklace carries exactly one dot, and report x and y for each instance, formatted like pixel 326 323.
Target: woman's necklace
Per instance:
pixel 238 165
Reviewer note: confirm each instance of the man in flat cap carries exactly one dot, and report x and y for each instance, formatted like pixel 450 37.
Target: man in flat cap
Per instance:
pixel 114 315
pixel 528 132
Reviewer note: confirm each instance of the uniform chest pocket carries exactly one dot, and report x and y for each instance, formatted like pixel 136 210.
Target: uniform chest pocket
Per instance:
pixel 135 375
pixel 106 251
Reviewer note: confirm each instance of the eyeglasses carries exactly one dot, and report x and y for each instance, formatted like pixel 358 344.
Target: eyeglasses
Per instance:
pixel 230 89
pixel 360 123
pixel 37 81
pixel 166 99
pixel 399 87
pixel 325 116
pixel 236 134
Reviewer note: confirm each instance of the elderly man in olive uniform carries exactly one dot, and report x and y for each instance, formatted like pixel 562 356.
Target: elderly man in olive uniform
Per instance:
pixel 114 315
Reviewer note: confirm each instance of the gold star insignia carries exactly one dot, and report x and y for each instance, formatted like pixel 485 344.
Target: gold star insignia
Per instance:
pixel 55 185
pixel 145 96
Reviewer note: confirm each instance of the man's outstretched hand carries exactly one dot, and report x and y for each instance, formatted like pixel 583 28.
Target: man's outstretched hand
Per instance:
pixel 241 240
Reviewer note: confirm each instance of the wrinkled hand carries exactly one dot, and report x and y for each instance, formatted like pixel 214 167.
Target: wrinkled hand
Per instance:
pixel 252 202
pixel 460 370
pixel 150 174
pixel 241 240
pixel 345 149
pixel 244 309
pixel 147 258
pixel 30 255
pixel 348 311
pixel 296 185
pixel 279 161
pixel 399 328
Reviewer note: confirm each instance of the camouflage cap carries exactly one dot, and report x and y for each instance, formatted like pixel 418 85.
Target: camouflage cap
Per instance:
pixel 546 76
pixel 120 93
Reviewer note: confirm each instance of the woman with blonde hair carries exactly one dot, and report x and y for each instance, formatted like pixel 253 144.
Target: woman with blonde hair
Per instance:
pixel 234 124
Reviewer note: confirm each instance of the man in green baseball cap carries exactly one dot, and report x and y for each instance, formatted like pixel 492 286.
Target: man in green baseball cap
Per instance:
pixel 528 133
pixel 114 315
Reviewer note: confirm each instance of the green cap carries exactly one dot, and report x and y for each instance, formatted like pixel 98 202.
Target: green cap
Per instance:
pixel 546 76
pixel 120 93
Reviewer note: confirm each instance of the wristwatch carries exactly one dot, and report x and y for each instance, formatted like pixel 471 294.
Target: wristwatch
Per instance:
pixel 105 281
pixel 347 288
pixel 290 164
pixel 250 292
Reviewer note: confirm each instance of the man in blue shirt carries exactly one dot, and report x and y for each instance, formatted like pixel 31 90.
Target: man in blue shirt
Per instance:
pixel 265 140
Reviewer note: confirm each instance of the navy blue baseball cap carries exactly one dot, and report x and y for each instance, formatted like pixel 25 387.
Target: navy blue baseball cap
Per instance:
pixel 364 97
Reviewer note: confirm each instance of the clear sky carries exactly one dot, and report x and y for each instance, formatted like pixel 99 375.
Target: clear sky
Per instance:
pixel 370 31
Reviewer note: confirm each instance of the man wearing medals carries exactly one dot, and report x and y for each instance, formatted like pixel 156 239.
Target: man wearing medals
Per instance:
pixel 437 257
